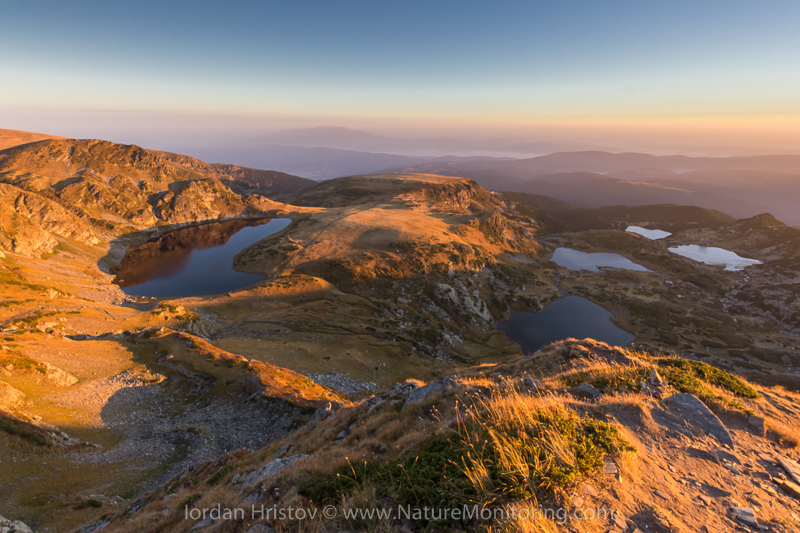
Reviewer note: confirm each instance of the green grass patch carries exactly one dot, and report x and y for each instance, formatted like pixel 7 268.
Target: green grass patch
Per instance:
pixel 684 369
pixel 20 362
pixel 510 453
pixel 433 477
pixel 611 379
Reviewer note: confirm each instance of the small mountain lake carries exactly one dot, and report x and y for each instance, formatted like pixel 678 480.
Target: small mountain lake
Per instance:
pixel 652 234
pixel 577 260
pixel 194 261
pixel 571 316
pixel 711 255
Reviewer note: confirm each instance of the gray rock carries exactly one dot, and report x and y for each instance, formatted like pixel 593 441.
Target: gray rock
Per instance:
pixel 375 400
pixel 261 528
pixel 531 384
pixel 203 523
pixel 746 515
pixel 758 425
pixel 423 393
pixel 791 467
pixel 341 435
pixel 272 468
pixel 588 390
pixel 13 526
pixel 700 417
pixel 655 379
pixel 321 413
pixel 734 469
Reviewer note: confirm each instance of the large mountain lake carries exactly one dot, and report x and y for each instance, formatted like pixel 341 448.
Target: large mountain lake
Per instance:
pixel 194 261
pixel 571 316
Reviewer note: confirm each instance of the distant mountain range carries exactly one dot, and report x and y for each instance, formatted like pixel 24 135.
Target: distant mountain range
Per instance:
pixel 330 152
pixel 359 140
pixel 739 186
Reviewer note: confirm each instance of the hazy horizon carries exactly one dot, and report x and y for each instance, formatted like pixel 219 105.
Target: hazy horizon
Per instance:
pixel 715 79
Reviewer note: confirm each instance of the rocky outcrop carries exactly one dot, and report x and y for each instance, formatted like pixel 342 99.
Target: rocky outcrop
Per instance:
pixel 91 190
pixel 32 223
pixel 10 398
pixel 58 377
pixel 13 526
pixel 420 394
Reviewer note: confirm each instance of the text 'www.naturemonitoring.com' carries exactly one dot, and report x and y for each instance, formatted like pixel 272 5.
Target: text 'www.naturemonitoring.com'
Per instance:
pixel 331 512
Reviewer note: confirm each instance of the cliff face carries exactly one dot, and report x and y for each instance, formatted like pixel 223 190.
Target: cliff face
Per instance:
pixel 93 191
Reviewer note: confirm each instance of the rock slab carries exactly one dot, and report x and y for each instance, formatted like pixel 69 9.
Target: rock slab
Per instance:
pixel 699 416
pixel 272 468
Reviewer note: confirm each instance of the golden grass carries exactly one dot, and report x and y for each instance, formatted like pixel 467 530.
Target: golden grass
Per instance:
pixel 785 435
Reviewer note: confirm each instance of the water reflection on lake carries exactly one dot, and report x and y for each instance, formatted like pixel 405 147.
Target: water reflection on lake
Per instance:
pixel 194 261
pixel 577 260
pixel 652 234
pixel 714 256
pixel 571 316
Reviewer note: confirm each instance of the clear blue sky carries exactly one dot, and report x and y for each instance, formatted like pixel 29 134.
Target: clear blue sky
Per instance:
pixel 141 70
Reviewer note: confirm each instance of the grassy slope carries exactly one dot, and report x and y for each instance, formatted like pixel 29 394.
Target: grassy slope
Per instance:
pixel 489 441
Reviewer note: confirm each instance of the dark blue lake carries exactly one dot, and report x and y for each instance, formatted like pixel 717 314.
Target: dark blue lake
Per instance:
pixel 571 316
pixel 194 261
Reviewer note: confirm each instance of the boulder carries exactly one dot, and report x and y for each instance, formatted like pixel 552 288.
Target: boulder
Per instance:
pixel 531 384
pixel 13 526
pixel 699 417
pixel 588 390
pixel 421 394
pixel 372 402
pixel 655 379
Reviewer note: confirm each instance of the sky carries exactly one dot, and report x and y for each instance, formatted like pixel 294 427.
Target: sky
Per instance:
pixel 718 77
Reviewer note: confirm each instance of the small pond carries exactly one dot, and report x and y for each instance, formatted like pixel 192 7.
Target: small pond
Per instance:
pixel 711 255
pixel 194 261
pixel 571 316
pixel 577 260
pixel 652 234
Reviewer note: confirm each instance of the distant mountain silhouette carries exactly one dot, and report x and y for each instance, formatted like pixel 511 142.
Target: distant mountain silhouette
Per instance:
pixel 740 186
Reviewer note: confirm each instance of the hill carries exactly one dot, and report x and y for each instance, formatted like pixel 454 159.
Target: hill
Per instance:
pixel 95 191
pixel 559 216
pixel 11 138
